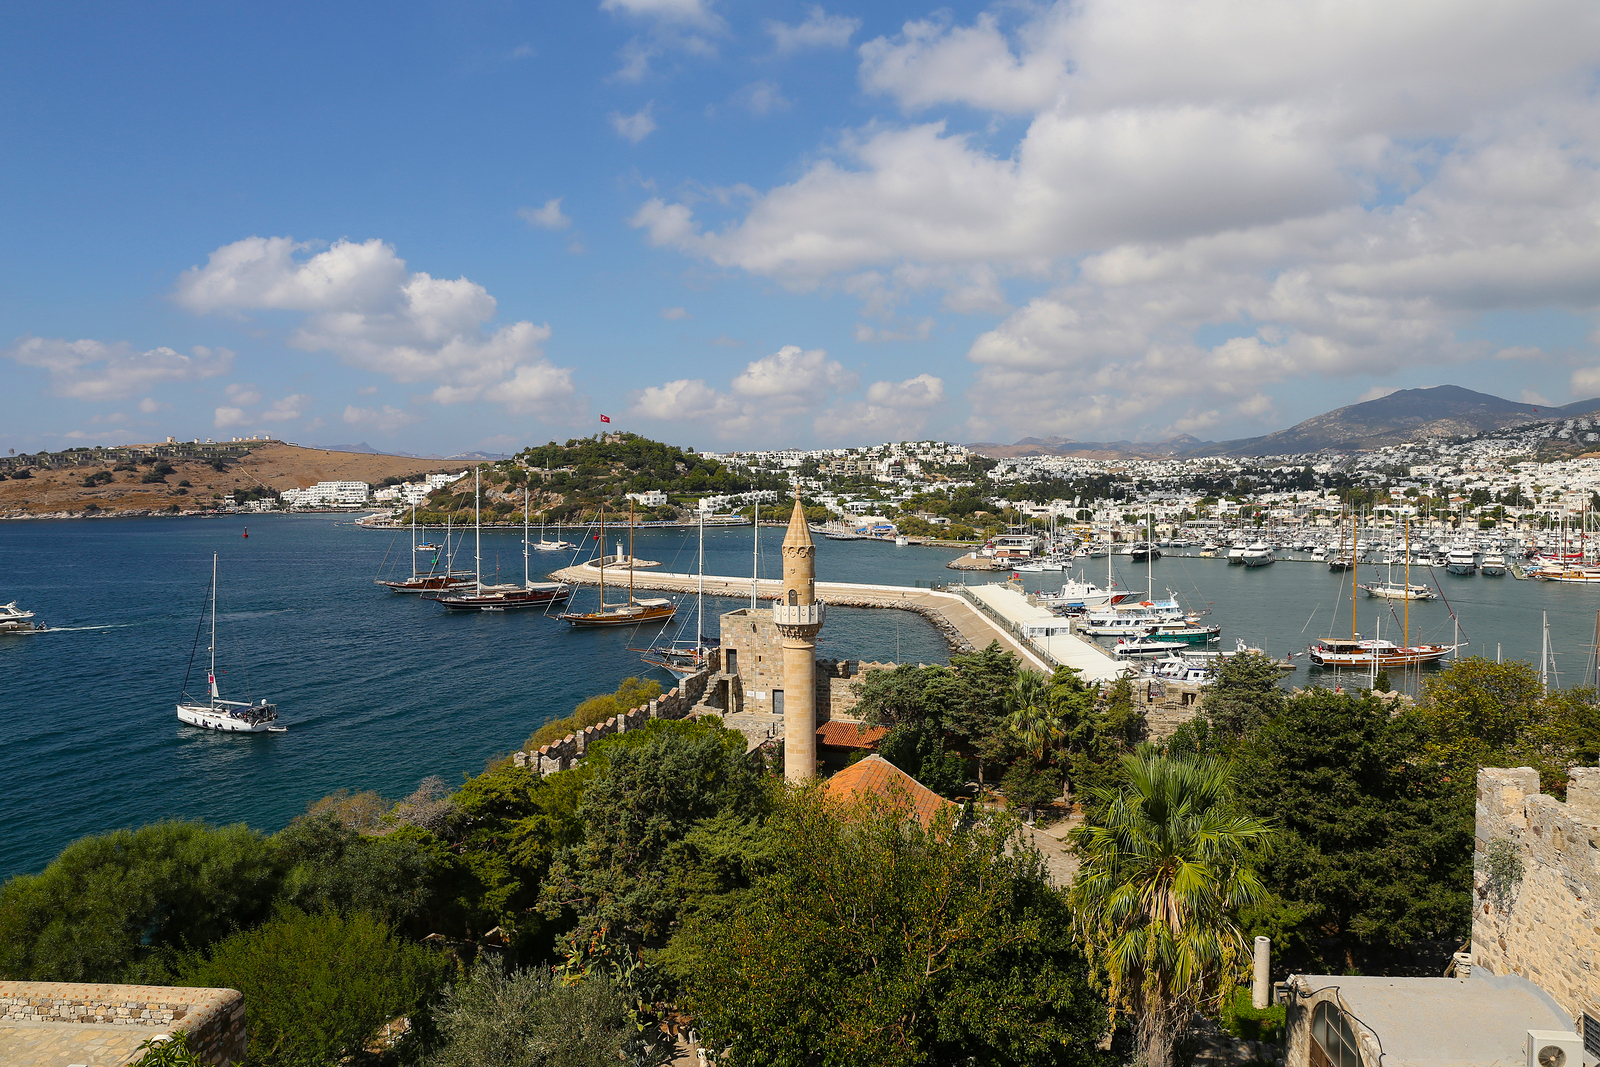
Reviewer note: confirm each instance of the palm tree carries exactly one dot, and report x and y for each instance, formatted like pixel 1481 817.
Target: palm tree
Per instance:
pixel 1034 719
pixel 1164 873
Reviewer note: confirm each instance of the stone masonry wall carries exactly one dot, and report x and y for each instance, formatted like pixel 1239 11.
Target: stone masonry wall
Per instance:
pixel 563 754
pixel 1549 931
pixel 213 1018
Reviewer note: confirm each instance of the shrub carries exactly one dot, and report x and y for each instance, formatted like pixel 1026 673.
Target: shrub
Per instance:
pixel 110 903
pixel 317 987
pixel 495 1019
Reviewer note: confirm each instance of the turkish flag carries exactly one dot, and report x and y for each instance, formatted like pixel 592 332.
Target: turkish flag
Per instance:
pixel 605 418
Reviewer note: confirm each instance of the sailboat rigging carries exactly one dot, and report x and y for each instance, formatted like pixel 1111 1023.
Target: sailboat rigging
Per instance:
pixel 504 597
pixel 635 611
pixel 432 581
pixel 215 713
pixel 683 658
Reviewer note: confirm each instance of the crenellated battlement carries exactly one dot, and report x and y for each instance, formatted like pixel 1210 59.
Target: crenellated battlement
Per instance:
pixel 564 754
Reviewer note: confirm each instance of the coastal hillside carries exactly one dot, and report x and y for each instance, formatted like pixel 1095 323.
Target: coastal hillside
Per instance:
pixel 178 485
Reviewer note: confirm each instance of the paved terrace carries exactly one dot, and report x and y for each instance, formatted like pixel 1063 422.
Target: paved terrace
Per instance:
pixel 978 620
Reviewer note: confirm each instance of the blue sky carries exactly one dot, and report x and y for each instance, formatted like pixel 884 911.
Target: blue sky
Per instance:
pixel 454 226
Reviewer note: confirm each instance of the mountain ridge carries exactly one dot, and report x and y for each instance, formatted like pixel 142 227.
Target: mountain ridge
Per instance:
pixel 1446 411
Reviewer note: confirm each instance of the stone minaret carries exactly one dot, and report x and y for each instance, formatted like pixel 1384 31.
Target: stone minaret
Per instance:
pixel 798 614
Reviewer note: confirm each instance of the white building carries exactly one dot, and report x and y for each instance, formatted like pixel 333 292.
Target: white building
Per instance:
pixel 650 498
pixel 328 494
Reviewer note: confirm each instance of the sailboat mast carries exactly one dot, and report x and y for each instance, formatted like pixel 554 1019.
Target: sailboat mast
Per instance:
pixel 413 539
pixel 1355 541
pixel 1149 557
pixel 755 554
pixel 631 525
pixel 602 557
pixel 526 580
pixel 477 531
pixel 211 676
pixel 1405 638
pixel 700 591
pixel 1544 654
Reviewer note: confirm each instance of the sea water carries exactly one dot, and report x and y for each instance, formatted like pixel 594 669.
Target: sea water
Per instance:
pixel 380 690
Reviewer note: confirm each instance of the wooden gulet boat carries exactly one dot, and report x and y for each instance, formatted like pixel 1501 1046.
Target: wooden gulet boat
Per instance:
pixel 682 658
pixel 635 611
pixel 432 581
pixel 506 597
pixel 1375 654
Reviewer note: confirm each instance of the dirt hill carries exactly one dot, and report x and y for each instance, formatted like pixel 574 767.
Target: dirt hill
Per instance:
pixel 275 466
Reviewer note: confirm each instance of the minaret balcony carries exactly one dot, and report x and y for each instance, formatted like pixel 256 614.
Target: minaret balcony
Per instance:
pixel 797 614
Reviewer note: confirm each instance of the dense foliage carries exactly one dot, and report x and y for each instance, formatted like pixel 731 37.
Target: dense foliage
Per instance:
pixel 875 939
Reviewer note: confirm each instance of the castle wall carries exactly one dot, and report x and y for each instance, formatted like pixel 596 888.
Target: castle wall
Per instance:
pixel 564 754
pixel 1549 930
pixel 213 1018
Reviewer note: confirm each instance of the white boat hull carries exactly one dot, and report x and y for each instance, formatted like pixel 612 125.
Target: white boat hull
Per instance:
pixel 224 720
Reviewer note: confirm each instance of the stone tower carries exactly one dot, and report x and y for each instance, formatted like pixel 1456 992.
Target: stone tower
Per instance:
pixel 798 615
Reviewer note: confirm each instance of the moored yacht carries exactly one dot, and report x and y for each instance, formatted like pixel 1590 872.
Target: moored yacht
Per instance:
pixel 215 713
pixel 1358 654
pixel 1461 560
pixel 1075 595
pixel 1258 554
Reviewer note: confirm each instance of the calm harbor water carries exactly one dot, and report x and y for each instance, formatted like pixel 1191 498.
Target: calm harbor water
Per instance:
pixel 380 690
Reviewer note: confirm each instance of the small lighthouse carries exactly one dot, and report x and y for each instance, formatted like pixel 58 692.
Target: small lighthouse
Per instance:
pixel 798 615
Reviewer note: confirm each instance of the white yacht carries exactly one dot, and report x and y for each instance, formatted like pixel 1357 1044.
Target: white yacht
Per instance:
pixel 14 620
pixel 1236 554
pixel 1129 620
pixel 1257 555
pixel 1461 560
pixel 1077 596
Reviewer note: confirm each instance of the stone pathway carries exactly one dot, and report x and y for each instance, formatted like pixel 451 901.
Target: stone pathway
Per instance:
pixel 70 1045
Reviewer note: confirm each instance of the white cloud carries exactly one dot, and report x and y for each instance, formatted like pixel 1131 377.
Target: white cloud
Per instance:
pixel 549 217
pixel 150 405
pixel 226 418
pixel 1377 392
pixel 233 415
pixel 361 303
pixel 242 394
pixel 762 98
pixel 100 371
pixel 386 419
pixel 893 411
pixel 1529 396
pixel 770 390
pixel 1349 188
pixel 635 127
pixel 675 314
pixel 689 11
pixel 818 30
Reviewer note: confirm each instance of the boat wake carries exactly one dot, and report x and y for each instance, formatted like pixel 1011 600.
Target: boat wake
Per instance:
pixel 82 629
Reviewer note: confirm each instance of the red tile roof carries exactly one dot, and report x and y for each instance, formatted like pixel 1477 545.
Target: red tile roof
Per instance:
pixel 849 735
pixel 876 776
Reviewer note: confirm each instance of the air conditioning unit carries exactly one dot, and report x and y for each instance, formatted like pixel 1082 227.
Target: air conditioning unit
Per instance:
pixel 1554 1048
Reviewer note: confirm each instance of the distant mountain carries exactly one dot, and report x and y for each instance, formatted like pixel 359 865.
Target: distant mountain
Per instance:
pixel 1405 415
pixel 479 457
pixel 365 449
pixel 1443 411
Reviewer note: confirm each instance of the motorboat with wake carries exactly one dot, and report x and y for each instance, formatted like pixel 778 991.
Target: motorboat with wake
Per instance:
pixel 215 713
pixel 14 620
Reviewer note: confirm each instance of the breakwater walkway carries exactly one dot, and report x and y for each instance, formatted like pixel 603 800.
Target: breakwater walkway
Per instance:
pixel 967 618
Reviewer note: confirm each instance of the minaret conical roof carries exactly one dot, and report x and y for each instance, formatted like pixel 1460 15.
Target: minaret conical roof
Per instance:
pixel 799 535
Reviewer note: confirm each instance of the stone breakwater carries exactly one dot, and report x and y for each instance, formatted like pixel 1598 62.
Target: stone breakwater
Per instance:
pixel 213 1018
pixel 564 754
pixel 953 637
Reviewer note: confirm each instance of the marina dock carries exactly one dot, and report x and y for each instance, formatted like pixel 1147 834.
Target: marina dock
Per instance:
pixel 979 614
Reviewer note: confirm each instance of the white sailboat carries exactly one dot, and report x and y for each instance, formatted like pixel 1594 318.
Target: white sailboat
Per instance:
pixel 215 713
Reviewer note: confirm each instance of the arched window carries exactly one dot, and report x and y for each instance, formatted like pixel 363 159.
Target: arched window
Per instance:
pixel 794 598
pixel 1333 1042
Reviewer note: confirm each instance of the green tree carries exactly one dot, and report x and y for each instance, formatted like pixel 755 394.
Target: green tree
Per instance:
pixel 317 987
pixel 1165 872
pixel 331 867
pixel 530 1019
pixel 111 907
pixel 655 784
pixel 1244 695
pixel 1479 713
pixel 1376 843
pixel 1034 719
pixel 934 944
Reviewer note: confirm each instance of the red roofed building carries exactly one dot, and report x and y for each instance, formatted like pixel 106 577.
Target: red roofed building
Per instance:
pixel 876 776
pixel 839 739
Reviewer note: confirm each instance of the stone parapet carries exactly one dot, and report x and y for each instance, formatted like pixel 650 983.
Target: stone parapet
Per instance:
pixel 1546 927
pixel 214 1019
pixel 564 754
